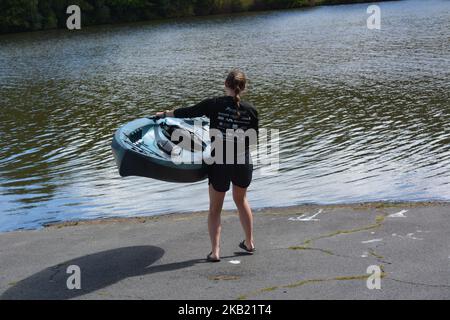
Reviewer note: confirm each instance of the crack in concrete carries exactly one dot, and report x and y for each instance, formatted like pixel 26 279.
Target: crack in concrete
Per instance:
pixel 329 252
pixel 378 222
pixel 224 277
pixel 119 296
pixel 308 281
pixel 56 271
pixel 419 283
pixel 379 258
pixel 325 251
pixel 308 242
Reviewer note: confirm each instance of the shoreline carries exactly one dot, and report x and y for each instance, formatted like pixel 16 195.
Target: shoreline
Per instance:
pixel 250 7
pixel 180 215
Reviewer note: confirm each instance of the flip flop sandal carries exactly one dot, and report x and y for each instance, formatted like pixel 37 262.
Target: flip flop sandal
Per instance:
pixel 211 259
pixel 244 247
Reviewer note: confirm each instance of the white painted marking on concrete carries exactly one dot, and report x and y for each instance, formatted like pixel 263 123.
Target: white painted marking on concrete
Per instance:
pixel 411 236
pixel 408 236
pixel 373 240
pixel 400 214
pixel 235 261
pixel 365 254
pixel 304 217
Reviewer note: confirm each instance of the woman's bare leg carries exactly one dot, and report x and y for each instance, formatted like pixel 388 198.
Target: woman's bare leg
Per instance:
pixel 214 225
pixel 245 214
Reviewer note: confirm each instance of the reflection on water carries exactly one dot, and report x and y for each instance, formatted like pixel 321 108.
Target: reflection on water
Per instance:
pixel 363 115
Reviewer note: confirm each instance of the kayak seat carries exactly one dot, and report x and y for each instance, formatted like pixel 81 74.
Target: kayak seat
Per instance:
pixel 185 135
pixel 166 146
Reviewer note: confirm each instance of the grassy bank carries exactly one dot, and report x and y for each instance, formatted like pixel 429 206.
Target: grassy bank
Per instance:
pixel 30 15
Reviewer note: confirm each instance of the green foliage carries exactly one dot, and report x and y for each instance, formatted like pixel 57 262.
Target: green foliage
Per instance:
pixel 19 15
pixel 28 15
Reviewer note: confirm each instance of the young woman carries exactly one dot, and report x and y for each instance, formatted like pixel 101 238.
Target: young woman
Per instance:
pixel 227 112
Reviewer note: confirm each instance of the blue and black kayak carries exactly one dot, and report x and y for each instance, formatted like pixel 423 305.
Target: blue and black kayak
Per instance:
pixel 146 147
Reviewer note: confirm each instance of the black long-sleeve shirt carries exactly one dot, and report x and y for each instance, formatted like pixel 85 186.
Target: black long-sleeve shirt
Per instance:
pixel 224 114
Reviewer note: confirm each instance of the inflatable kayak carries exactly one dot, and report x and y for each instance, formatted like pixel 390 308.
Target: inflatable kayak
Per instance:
pixel 144 148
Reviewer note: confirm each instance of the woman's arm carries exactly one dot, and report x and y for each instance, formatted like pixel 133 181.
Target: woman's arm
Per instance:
pixel 198 110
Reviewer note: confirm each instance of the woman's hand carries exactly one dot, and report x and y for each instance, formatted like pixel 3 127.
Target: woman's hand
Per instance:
pixel 163 114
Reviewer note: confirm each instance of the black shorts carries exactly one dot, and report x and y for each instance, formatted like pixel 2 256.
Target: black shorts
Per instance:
pixel 220 176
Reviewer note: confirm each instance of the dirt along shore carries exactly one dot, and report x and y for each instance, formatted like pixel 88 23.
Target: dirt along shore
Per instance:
pixel 360 251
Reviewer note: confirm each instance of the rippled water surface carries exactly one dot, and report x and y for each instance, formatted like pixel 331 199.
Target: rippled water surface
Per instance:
pixel 363 115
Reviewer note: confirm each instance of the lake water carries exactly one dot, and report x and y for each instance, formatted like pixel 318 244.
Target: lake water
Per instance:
pixel 363 114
